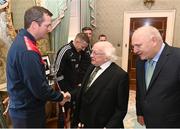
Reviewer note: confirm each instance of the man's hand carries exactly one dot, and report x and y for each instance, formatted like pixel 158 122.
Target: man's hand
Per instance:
pixel 67 98
pixel 140 120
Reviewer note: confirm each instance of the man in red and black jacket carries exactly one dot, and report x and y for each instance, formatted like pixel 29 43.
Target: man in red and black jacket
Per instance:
pixel 27 86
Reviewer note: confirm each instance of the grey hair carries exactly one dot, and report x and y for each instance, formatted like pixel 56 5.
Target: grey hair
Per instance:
pixel 108 49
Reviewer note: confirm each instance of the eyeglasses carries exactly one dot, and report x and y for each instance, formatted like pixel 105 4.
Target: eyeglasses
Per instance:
pixel 97 53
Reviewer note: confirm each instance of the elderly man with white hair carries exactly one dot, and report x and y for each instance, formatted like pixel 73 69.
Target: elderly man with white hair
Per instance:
pixel 103 98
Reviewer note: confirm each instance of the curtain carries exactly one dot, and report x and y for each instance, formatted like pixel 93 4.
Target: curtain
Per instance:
pixel 88 13
pixel 61 11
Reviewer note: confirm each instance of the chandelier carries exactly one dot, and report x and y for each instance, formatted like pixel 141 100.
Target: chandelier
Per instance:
pixel 149 3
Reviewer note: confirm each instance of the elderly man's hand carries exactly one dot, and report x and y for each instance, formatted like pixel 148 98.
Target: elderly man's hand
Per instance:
pixel 67 98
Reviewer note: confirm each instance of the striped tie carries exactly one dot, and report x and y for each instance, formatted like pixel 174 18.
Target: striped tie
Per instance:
pixel 93 74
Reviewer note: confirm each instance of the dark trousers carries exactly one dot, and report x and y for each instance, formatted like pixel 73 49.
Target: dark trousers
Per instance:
pixel 23 119
pixel 62 117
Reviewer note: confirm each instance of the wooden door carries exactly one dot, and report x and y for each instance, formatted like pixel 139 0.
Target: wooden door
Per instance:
pixel 160 23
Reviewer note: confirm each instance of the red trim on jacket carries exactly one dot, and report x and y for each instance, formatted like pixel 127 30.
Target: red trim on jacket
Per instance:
pixel 32 46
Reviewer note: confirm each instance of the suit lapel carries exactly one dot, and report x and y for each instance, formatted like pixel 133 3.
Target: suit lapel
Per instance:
pixel 99 83
pixel 86 78
pixel 141 76
pixel 161 62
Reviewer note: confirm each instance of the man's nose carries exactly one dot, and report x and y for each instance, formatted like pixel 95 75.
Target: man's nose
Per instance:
pixel 83 49
pixel 49 29
pixel 91 54
pixel 134 50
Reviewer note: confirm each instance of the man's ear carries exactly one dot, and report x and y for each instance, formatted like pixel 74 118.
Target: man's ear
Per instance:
pixel 34 25
pixel 154 40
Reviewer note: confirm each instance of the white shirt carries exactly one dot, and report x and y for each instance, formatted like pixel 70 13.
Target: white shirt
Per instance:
pixel 103 68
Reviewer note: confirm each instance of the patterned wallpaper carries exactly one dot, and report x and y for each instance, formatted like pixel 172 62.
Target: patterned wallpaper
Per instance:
pixel 110 18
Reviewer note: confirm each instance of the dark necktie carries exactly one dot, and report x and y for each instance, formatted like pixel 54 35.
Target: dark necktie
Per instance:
pixel 93 74
pixel 149 71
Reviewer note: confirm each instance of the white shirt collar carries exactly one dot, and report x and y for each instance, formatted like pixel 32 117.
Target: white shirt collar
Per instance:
pixel 106 65
pixel 103 68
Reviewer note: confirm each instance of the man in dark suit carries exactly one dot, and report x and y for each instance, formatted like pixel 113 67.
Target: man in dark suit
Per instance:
pixel 157 98
pixel 102 101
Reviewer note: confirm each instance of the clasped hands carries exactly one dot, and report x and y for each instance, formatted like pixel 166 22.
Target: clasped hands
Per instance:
pixel 66 98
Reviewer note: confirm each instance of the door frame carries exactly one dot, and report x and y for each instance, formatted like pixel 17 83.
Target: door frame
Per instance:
pixel 170 14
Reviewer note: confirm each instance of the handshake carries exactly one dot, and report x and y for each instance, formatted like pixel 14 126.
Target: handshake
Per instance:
pixel 66 98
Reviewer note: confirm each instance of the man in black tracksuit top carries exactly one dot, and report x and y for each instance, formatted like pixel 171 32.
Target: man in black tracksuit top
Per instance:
pixel 67 67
